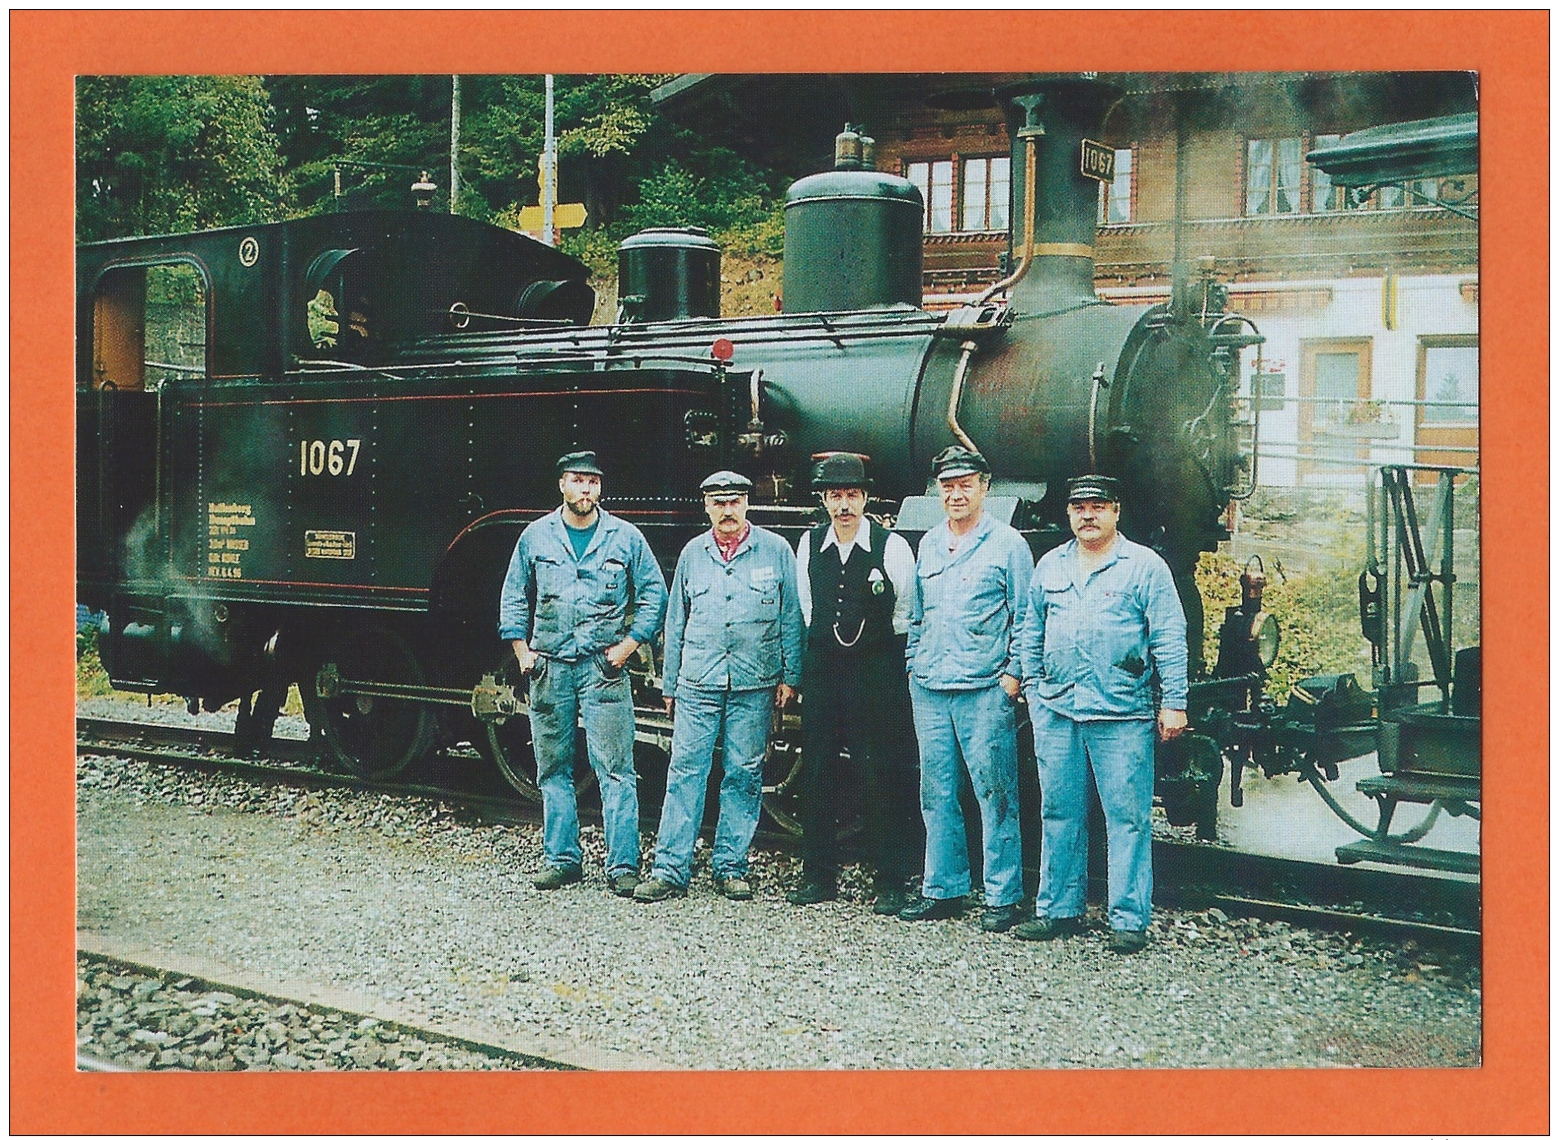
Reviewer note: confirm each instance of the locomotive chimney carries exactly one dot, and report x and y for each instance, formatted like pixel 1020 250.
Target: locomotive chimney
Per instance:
pixel 1056 115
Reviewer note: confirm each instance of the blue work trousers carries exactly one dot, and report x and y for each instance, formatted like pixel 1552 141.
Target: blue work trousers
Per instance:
pixel 1120 752
pixel 738 721
pixel 561 692
pixel 975 729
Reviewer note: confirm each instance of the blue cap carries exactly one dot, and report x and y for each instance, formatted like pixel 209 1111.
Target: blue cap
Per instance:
pixel 955 461
pixel 582 461
pixel 726 483
pixel 1105 488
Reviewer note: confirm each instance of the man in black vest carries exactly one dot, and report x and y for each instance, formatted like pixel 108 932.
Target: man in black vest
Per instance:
pixel 854 578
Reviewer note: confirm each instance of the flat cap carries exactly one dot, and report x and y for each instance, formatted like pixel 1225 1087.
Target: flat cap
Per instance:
pixel 726 483
pixel 1103 487
pixel 955 461
pixel 840 470
pixel 582 461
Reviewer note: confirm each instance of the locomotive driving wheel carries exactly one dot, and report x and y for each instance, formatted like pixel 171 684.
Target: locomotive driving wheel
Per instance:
pixel 782 783
pixel 509 746
pixel 370 736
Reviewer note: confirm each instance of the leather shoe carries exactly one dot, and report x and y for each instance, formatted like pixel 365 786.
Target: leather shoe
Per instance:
pixel 1128 941
pixel 1046 929
pixel 654 890
pixel 891 901
pixel 811 891
pixel 999 918
pixel 927 910
pixel 623 884
pixel 554 877
pixel 736 888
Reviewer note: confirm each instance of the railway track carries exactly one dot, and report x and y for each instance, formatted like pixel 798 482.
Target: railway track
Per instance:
pixel 1369 901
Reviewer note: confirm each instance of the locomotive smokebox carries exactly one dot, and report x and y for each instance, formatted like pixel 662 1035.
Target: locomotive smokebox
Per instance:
pixel 669 273
pixel 852 237
pixel 1055 115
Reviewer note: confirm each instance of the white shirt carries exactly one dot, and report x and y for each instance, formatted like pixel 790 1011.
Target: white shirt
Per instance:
pixel 898 562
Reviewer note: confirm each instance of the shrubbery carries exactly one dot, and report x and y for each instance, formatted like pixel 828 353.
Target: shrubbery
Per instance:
pixel 1317 612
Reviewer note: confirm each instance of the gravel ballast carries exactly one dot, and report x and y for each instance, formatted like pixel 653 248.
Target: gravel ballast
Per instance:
pixel 399 900
pixel 137 1020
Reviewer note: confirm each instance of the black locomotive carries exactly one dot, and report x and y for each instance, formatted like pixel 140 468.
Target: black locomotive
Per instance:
pixel 328 489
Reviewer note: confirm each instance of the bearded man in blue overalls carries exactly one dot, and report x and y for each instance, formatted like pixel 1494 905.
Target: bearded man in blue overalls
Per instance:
pixel 582 594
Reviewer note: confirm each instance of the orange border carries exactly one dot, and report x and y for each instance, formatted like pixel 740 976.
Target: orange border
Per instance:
pixel 1510 1091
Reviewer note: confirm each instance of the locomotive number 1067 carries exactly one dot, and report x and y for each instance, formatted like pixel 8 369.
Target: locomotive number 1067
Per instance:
pixel 328 456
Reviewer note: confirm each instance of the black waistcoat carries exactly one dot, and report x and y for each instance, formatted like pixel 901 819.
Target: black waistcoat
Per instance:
pixel 849 610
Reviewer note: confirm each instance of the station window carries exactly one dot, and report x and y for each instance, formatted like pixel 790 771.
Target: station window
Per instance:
pixel 1274 171
pixel 1116 198
pixel 1448 379
pixel 935 181
pixel 987 182
pixel 148 326
pixel 973 202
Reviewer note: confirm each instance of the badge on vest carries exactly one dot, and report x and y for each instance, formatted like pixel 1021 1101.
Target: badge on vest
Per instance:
pixel 762 574
pixel 875 578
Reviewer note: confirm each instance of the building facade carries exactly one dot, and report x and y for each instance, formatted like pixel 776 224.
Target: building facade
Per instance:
pixel 1369 306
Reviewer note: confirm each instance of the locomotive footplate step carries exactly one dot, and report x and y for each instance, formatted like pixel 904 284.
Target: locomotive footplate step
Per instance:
pixel 1424 789
pixel 1409 855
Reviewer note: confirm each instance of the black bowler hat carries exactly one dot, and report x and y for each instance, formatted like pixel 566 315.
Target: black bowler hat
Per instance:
pixel 840 471
pixel 723 483
pixel 955 461
pixel 1105 488
pixel 580 461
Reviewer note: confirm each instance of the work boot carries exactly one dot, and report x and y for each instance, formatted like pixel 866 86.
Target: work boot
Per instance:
pixel 1128 941
pixel 735 887
pixel 655 890
pixel 554 877
pixel 891 900
pixel 1046 929
pixel 999 918
pixel 928 910
pixel 623 884
pixel 811 891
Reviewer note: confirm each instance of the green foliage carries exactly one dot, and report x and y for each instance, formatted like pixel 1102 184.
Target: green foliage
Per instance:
pixel 1317 612
pixel 178 153
pixel 160 154
pixel 595 247
pixel 763 238
pixel 91 679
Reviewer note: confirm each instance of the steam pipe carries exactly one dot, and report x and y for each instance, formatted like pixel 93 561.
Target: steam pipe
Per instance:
pixel 956 395
pixel 1029 138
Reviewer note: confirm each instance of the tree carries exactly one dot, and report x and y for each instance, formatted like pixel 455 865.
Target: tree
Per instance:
pixel 160 154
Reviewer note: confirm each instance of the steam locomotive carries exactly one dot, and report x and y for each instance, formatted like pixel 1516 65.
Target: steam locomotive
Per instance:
pixel 327 492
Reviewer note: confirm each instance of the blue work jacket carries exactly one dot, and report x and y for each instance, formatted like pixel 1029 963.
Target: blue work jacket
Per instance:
pixel 734 625
pixel 1091 649
pixel 568 607
pixel 967 607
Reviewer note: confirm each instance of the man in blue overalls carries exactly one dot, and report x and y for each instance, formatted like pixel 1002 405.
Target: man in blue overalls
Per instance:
pixel 733 655
pixel 967 612
pixel 1103 621
pixel 582 594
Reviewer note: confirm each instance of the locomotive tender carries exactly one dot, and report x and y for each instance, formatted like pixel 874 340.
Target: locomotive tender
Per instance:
pixel 329 491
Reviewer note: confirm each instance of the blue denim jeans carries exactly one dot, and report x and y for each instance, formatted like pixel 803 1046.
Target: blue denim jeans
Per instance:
pixel 561 692
pixel 738 721
pixel 980 727
pixel 1120 752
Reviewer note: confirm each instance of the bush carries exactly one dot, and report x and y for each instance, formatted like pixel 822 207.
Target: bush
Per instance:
pixel 91 678
pixel 1317 613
